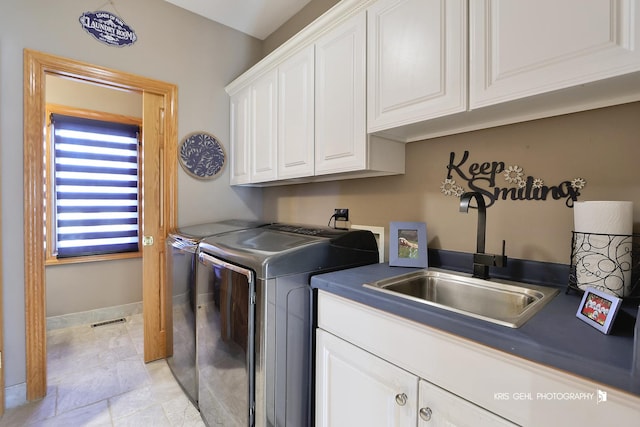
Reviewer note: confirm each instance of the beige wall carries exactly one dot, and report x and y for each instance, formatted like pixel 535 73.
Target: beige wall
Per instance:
pixel 199 56
pixel 78 94
pixel 74 288
pixel 300 20
pixel 600 146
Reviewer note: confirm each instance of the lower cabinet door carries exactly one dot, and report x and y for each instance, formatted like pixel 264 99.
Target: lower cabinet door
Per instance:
pixel 356 388
pixel 439 407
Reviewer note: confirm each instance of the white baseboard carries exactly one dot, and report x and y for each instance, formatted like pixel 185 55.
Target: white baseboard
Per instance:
pixel 93 316
pixel 15 395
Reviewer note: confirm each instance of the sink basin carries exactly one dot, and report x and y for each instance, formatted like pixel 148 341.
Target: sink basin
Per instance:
pixel 499 301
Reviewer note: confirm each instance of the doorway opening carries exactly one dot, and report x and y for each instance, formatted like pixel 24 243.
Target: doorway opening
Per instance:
pixel 159 210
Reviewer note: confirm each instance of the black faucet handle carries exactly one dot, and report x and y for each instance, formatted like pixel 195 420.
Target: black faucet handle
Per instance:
pixel 501 260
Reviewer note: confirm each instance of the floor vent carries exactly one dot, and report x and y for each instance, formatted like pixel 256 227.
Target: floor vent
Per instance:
pixel 108 322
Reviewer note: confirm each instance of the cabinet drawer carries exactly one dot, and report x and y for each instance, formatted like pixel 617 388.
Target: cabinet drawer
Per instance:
pixel 438 407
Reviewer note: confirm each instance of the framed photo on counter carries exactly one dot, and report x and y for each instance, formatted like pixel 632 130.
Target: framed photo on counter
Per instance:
pixel 408 244
pixel 598 309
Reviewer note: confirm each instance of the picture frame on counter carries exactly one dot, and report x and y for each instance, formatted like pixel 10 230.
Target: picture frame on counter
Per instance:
pixel 598 309
pixel 408 244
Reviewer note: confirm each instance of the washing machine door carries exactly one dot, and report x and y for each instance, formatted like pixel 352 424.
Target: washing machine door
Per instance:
pixel 225 342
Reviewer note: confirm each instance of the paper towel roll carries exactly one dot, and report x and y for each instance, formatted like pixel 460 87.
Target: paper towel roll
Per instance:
pixel 602 255
pixel 603 217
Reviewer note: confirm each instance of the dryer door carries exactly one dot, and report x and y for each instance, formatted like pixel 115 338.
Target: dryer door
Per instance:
pixel 181 304
pixel 225 342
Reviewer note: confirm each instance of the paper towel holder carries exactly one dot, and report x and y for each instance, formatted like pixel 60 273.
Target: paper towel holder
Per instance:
pixel 616 261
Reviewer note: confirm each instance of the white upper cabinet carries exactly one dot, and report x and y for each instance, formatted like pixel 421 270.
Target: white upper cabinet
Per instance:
pixel 528 47
pixel 370 72
pixel 314 128
pixel 416 65
pixel 264 112
pixel 296 115
pixel 341 134
pixel 240 137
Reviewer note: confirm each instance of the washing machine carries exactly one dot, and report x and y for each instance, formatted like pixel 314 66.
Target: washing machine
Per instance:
pixel 254 319
pixel 181 246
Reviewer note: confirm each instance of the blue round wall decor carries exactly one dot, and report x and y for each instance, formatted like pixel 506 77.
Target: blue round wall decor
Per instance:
pixel 201 155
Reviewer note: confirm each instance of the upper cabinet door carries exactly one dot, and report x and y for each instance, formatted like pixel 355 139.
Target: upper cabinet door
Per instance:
pixel 416 66
pixel 527 47
pixel 295 115
pixel 240 137
pixel 264 143
pixel 341 134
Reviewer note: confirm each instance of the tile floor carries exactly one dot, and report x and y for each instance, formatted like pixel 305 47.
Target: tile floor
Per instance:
pixel 97 377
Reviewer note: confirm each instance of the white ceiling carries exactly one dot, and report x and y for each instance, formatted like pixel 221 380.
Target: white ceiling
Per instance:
pixel 258 18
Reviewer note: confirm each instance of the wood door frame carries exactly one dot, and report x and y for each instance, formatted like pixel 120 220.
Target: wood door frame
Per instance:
pixel 36 66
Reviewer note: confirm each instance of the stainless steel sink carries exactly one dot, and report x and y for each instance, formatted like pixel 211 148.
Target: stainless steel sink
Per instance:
pixel 499 301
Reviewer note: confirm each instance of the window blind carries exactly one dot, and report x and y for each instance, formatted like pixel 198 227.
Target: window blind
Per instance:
pixel 96 202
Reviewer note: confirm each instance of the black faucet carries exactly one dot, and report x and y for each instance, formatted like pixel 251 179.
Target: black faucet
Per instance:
pixel 481 260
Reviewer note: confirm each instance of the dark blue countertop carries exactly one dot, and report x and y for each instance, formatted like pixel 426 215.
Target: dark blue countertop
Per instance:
pixel 554 336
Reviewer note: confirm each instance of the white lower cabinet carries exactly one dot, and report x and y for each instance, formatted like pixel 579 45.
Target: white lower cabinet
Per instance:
pixel 367 360
pixel 357 388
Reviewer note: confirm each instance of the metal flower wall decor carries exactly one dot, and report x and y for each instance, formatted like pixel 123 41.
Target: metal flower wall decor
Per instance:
pixel 482 177
pixel 201 155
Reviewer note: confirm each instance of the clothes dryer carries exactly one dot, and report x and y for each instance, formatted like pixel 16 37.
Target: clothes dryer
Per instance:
pixel 180 252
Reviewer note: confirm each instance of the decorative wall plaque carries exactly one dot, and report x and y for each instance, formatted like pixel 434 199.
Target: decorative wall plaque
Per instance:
pixel 481 177
pixel 201 155
pixel 108 28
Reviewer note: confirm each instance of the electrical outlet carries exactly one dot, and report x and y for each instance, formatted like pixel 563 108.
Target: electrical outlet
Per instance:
pixel 341 214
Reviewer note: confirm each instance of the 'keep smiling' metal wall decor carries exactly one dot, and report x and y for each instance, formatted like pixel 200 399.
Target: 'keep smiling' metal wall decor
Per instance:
pixel 481 177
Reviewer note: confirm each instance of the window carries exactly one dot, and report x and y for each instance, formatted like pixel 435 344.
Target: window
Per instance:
pixel 93 182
